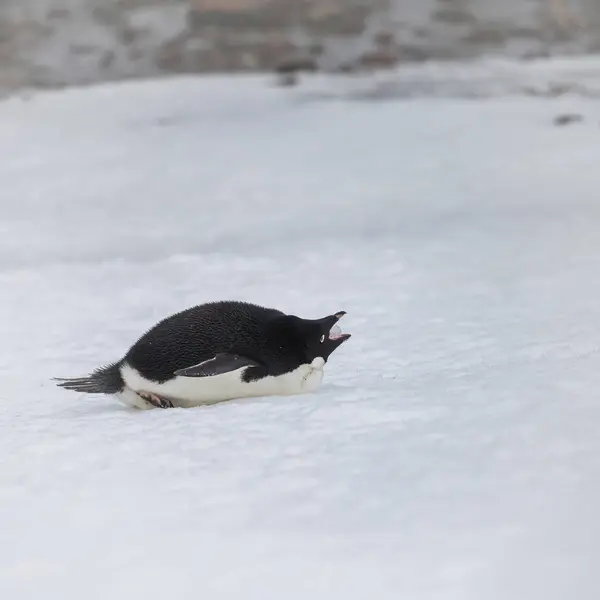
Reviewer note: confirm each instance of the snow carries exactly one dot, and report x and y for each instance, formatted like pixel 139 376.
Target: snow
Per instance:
pixel 482 78
pixel 452 452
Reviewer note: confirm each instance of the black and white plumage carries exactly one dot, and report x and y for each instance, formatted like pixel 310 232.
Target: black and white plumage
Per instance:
pixel 218 351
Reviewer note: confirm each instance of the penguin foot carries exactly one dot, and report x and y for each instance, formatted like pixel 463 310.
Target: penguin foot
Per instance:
pixel 156 401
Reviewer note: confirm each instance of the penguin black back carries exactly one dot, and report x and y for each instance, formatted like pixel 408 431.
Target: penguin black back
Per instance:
pixel 199 333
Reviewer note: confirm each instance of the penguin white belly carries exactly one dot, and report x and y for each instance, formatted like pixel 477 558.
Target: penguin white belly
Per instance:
pixel 187 392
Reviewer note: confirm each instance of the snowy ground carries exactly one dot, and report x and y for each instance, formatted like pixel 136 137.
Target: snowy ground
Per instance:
pixel 453 452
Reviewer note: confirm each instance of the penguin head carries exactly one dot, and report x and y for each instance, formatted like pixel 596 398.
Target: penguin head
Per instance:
pixel 312 338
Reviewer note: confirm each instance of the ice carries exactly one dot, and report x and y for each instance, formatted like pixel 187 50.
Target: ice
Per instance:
pixel 453 450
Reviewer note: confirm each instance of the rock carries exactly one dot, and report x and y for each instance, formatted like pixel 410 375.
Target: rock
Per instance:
pixel 567 119
pixel 297 65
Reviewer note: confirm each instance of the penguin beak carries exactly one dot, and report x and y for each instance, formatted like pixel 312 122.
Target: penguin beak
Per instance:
pixel 334 330
pixel 333 337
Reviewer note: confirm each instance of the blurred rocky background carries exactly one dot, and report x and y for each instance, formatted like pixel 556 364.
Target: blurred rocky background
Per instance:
pixel 47 43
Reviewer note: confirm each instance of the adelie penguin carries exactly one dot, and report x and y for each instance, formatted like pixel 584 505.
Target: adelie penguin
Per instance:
pixel 218 351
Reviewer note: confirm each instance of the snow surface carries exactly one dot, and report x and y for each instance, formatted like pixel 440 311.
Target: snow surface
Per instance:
pixel 453 451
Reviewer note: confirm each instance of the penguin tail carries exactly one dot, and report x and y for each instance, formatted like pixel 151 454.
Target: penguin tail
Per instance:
pixel 105 380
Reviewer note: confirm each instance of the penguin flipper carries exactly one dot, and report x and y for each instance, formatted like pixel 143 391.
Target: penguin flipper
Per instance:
pixel 220 364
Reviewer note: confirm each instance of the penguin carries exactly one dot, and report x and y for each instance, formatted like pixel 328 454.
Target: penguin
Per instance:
pixel 215 352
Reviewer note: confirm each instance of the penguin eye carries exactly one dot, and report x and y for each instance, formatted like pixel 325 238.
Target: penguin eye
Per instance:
pixel 322 339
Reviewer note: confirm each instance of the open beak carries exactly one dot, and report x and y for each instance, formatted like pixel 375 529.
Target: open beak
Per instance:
pixel 333 337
